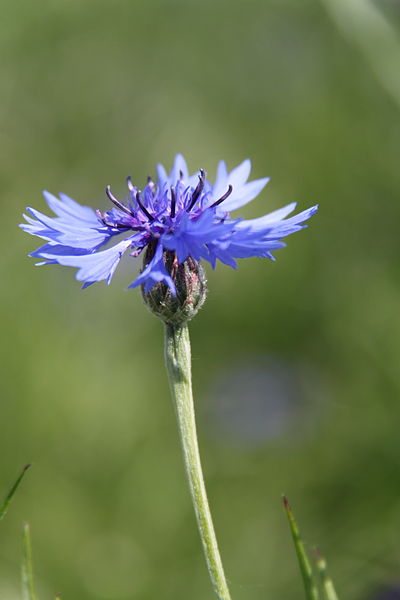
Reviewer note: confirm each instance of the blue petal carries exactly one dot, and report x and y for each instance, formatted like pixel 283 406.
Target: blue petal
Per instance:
pixel 155 272
pixel 242 195
pixel 192 235
pixel 303 216
pixel 219 252
pixel 36 228
pixel 266 221
pixel 247 249
pixel 221 180
pixel 272 226
pixel 258 237
pixel 240 174
pixel 68 231
pixel 236 178
pixel 179 167
pixel 92 267
pixel 162 177
pixel 71 210
pixel 54 250
pixel 242 192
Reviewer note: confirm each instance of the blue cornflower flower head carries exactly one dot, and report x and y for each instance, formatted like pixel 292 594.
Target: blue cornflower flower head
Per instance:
pixel 177 221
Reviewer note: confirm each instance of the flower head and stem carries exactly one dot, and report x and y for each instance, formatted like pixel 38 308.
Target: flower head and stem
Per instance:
pixel 176 223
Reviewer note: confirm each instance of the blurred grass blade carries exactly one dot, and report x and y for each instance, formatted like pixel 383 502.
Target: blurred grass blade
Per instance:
pixel 364 24
pixel 310 585
pixel 8 498
pixel 28 588
pixel 326 582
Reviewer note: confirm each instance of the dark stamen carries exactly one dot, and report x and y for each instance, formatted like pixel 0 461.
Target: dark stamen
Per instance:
pixel 142 208
pixel 173 202
pixel 117 203
pixel 130 184
pixel 224 197
pixel 198 190
pixel 180 175
pixel 103 218
pixel 151 184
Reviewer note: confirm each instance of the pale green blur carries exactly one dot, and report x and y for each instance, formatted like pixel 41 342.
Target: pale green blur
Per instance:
pixel 93 91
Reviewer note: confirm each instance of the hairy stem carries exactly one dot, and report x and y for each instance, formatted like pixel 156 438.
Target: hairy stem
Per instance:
pixel 177 356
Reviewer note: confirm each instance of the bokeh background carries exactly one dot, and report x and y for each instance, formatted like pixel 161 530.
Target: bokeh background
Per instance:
pixel 295 362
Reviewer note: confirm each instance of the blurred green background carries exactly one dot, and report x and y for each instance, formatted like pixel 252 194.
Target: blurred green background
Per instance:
pixel 295 362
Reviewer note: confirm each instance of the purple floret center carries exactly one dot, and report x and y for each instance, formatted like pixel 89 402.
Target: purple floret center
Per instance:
pixel 156 210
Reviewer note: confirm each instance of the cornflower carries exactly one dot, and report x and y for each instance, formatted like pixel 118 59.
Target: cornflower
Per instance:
pixel 176 223
pixel 184 214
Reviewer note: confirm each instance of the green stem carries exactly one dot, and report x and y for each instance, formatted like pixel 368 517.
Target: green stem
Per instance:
pixel 310 586
pixel 177 357
pixel 28 587
pixel 327 584
pixel 10 495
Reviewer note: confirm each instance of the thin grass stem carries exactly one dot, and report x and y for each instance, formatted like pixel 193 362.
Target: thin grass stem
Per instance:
pixel 28 587
pixel 310 585
pixel 9 497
